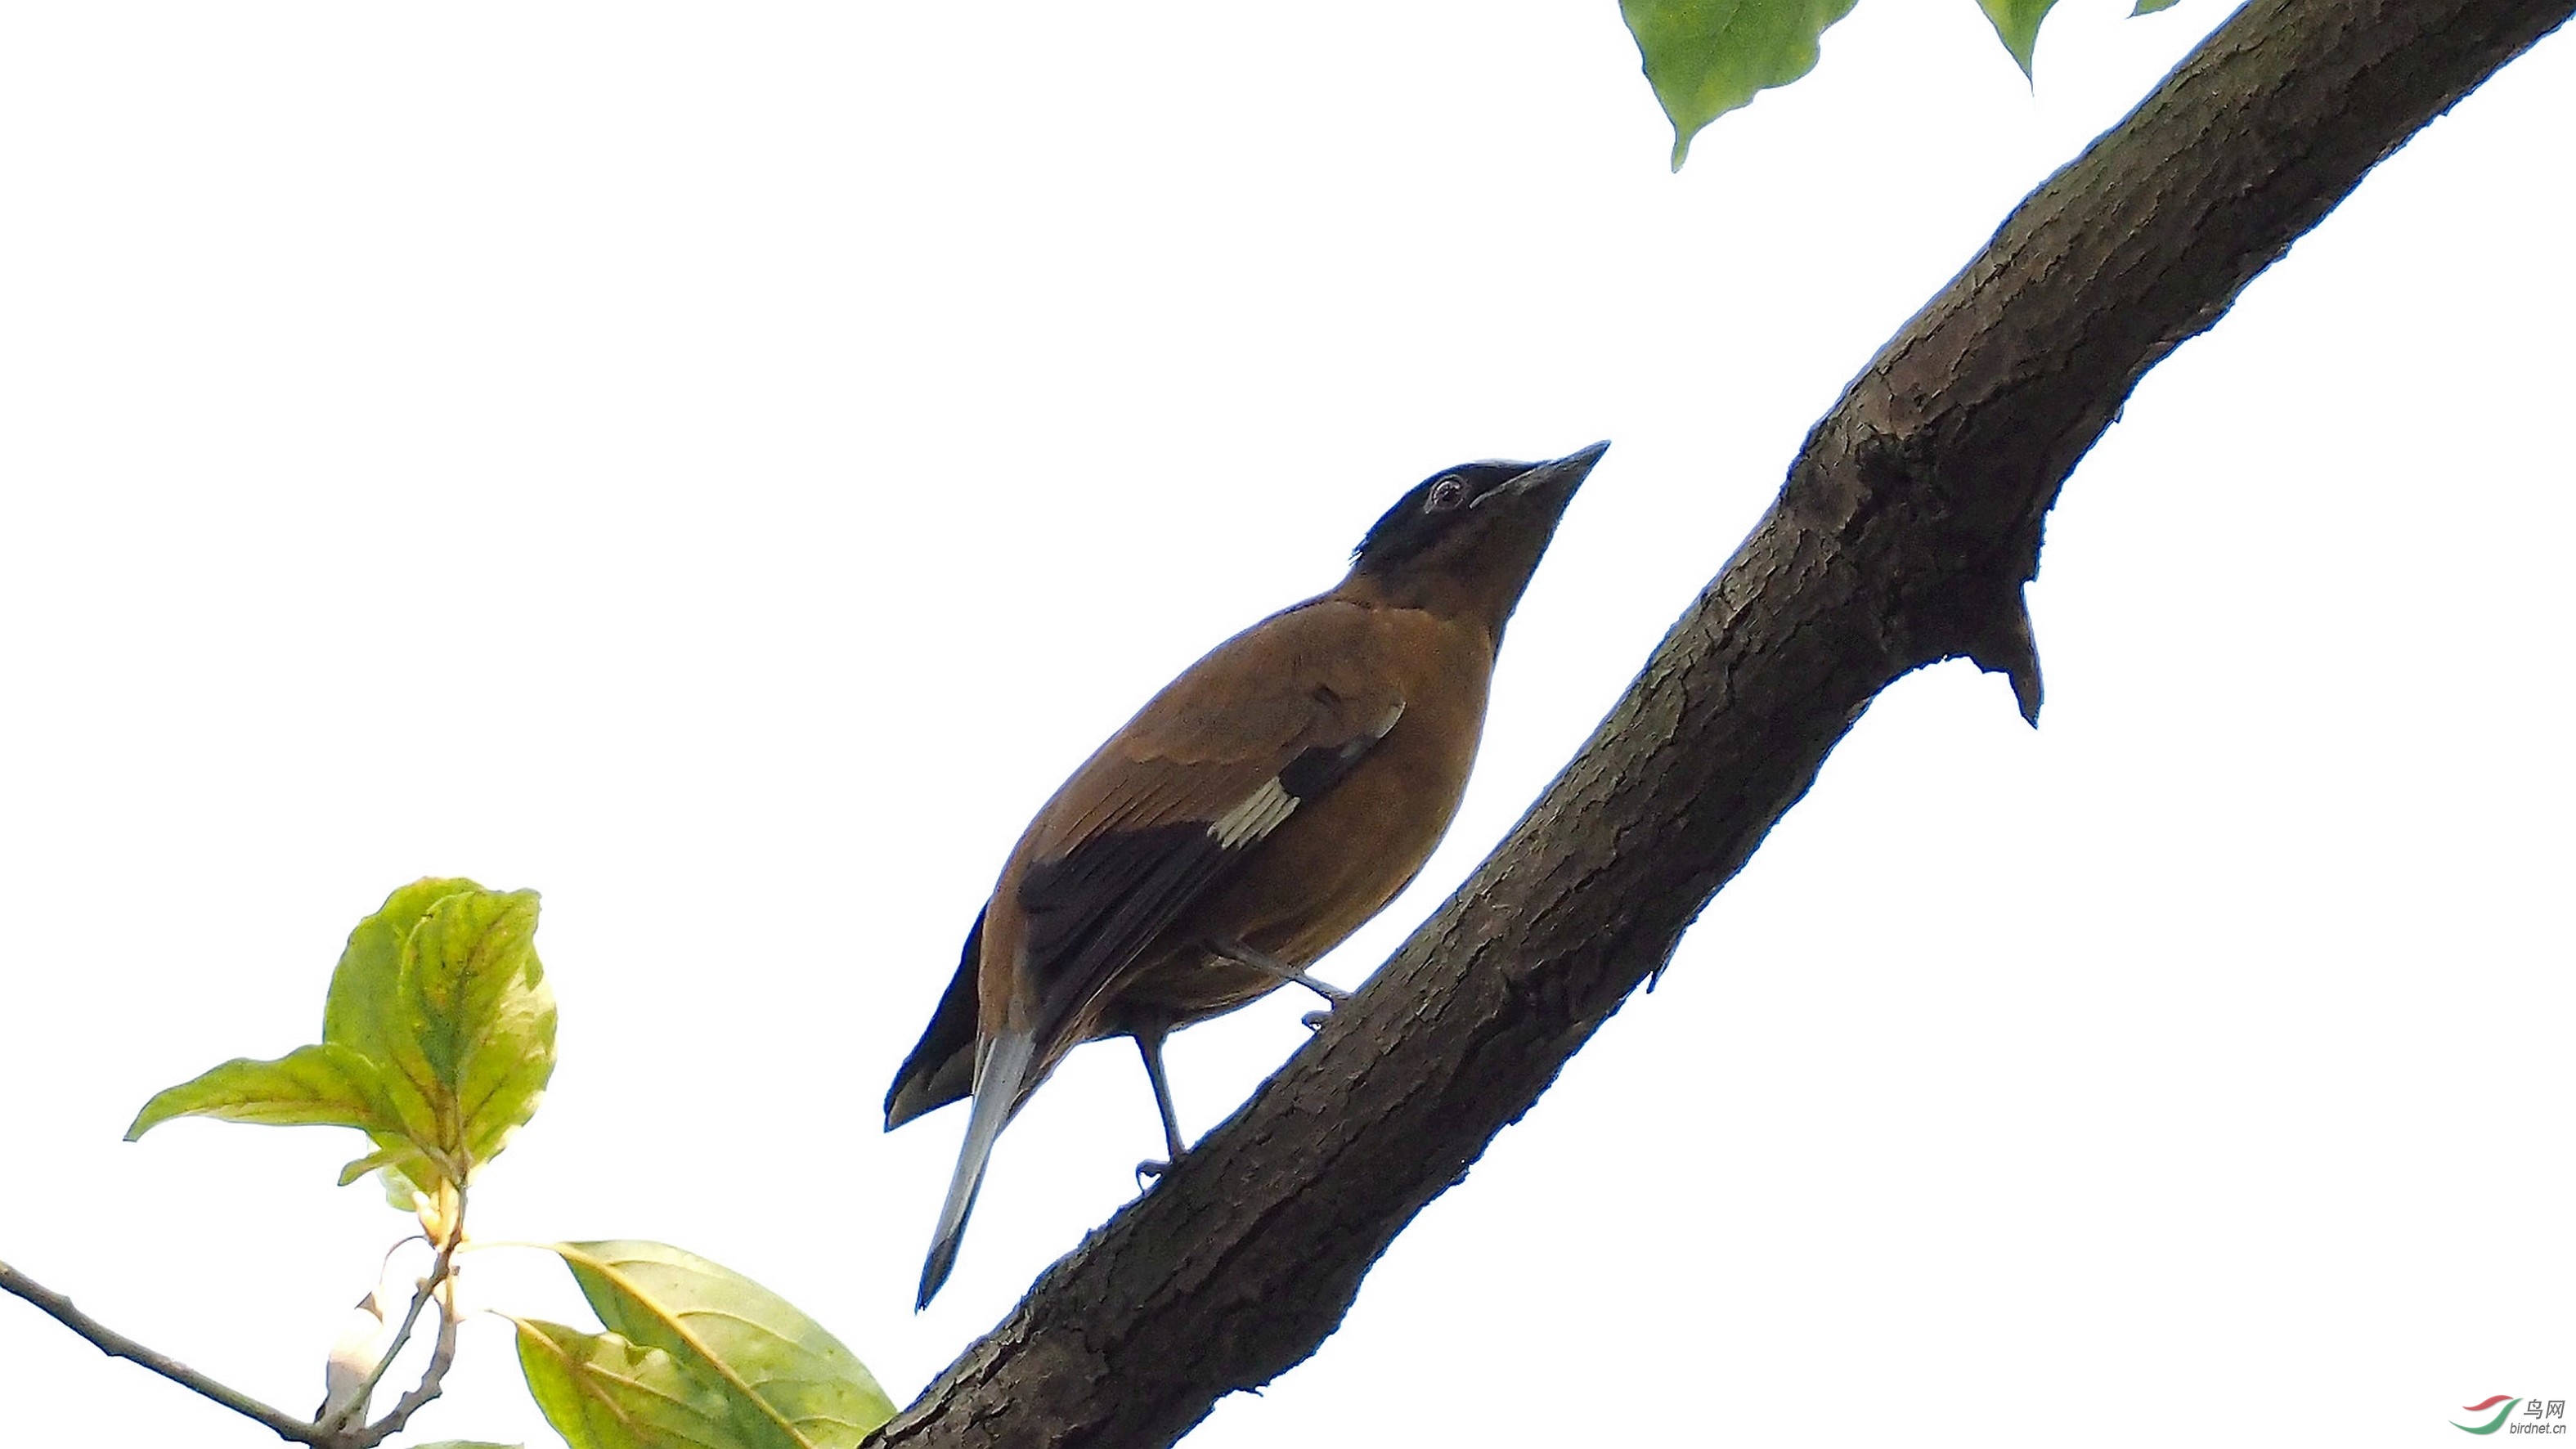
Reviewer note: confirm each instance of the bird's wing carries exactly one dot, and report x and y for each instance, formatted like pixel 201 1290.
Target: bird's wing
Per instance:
pixel 1182 796
pixel 1265 723
pixel 1175 802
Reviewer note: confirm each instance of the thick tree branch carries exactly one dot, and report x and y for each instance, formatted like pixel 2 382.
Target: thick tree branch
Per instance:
pixel 1903 535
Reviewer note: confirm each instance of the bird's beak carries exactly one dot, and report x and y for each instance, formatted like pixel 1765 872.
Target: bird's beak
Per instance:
pixel 1555 481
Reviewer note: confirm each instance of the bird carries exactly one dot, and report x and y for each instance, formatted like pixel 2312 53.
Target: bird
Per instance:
pixel 1260 808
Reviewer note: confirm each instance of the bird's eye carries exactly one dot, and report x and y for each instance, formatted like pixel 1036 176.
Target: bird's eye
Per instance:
pixel 1449 492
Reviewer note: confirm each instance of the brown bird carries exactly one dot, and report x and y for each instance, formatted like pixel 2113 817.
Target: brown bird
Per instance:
pixel 1246 821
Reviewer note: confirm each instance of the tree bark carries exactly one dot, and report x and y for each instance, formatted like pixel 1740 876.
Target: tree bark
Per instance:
pixel 1902 537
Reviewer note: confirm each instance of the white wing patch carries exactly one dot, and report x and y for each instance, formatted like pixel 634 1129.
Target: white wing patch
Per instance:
pixel 1258 815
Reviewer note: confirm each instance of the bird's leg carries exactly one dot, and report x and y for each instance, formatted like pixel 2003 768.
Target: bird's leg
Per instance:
pixel 1149 1045
pixel 1258 960
pixel 1243 955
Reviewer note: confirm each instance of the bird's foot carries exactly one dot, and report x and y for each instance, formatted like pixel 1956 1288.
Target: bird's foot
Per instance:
pixel 1314 1020
pixel 1150 1171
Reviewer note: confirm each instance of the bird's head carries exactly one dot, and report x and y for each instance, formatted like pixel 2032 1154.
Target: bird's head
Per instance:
pixel 1467 539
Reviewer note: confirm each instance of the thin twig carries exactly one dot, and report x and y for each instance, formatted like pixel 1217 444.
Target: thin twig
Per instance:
pixel 441 1268
pixel 440 1284
pixel 117 1345
pixel 430 1382
pixel 333 1432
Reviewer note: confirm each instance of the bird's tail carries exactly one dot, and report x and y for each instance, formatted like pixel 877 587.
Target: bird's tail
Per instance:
pixel 997 1089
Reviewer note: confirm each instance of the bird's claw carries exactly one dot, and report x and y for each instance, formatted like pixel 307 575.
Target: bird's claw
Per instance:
pixel 1149 1170
pixel 1314 1020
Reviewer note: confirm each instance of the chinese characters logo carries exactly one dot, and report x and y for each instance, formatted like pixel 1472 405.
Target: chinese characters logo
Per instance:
pixel 2534 1419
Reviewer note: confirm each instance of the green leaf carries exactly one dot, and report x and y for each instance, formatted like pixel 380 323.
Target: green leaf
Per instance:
pixel 602 1392
pixel 2150 7
pixel 778 1367
pixel 312 1086
pixel 1706 57
pixel 404 1167
pixel 2017 25
pixel 366 1009
pixel 482 1044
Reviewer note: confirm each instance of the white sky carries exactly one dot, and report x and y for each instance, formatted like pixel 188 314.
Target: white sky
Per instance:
pixel 722 468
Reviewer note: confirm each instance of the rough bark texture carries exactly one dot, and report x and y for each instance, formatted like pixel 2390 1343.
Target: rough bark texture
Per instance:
pixel 1906 528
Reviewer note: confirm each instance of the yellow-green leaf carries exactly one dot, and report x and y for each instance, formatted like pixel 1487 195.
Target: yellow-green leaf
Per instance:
pixel 777 1366
pixel 2150 7
pixel 482 1041
pixel 403 1166
pixel 365 1009
pixel 312 1086
pixel 601 1391
pixel 1706 57
pixel 2017 25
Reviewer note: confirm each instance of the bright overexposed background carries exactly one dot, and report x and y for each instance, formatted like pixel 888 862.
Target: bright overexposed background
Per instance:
pixel 722 466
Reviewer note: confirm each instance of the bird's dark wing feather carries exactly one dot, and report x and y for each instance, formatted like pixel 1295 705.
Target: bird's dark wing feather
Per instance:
pixel 1097 908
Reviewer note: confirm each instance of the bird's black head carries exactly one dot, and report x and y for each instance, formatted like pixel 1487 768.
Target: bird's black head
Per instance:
pixel 1480 526
pixel 1469 499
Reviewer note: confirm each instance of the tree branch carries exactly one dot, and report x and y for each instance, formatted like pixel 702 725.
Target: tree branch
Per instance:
pixel 1905 530
pixel 330 1429
pixel 117 1345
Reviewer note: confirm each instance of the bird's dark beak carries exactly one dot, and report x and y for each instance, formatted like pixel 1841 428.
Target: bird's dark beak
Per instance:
pixel 1554 481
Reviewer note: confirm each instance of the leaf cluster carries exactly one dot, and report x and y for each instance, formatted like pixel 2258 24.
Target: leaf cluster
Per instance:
pixel 1705 58
pixel 438 1039
pixel 692 1354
